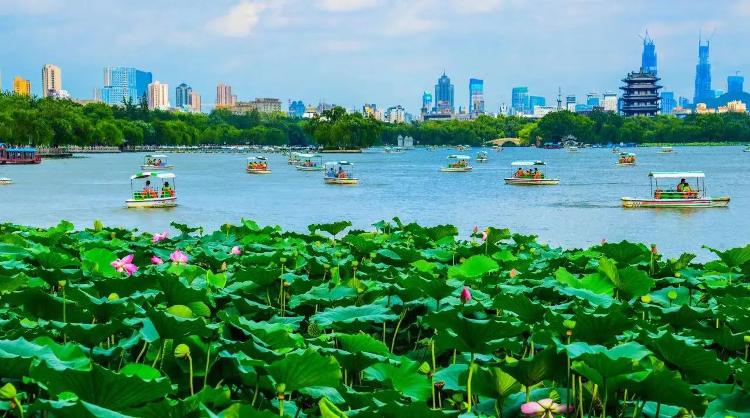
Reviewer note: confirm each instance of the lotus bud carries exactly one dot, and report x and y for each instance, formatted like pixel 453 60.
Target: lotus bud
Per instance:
pixel 282 260
pixel 224 266
pixel 569 324
pixel 372 255
pixel 8 392
pixel 113 297
pixel 678 275
pixel 424 368
pixel 280 388
pixel 286 283
pixel 326 266
pixel 355 263
pixel 746 339
pixel 465 295
pixel 461 260
pixel 646 298
pixel 653 249
pixel 62 283
pixel 98 225
pixel 672 295
pixel 439 385
pixel 182 351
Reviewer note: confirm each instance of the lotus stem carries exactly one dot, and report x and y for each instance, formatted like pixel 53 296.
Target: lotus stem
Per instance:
pixel 208 358
pixel 190 364
pixel 528 394
pixel 658 409
pixel 580 395
pixel 255 393
pixel 624 402
pixel 746 349
pixel 65 315
pixel 395 332
pixel 158 354
pixel 468 383
pixel 281 406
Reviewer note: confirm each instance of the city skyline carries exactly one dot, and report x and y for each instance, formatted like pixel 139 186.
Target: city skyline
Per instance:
pixel 258 48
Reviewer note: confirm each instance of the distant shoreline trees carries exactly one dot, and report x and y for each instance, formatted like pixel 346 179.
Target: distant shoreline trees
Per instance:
pixel 54 122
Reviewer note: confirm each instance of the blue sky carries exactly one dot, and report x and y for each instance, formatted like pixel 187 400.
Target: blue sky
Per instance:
pixel 378 51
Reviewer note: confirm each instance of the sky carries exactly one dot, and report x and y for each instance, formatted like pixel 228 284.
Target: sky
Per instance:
pixel 351 52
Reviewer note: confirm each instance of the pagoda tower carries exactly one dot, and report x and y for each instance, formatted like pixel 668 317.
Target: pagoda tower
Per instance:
pixel 640 95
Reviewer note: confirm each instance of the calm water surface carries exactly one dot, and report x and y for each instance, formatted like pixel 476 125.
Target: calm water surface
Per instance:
pixel 213 189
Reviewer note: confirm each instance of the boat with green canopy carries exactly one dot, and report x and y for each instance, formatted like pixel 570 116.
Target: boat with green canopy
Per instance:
pixel 683 195
pixel 457 164
pixel 309 162
pixel 148 195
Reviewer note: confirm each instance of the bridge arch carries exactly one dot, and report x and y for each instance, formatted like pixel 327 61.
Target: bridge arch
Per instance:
pixel 502 141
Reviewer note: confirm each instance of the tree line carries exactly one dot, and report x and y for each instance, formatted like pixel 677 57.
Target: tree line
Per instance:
pixel 54 122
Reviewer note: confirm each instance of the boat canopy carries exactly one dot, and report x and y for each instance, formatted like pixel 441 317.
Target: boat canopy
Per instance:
pixel 308 155
pixel 339 163
pixel 627 154
pixel 21 149
pixel 147 174
pixel 527 163
pixel 156 156
pixel 259 157
pixel 677 174
pixel 458 157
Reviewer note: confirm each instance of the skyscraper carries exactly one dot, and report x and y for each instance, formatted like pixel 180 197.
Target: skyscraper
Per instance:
pixel 51 79
pixel 734 84
pixel 158 96
pixel 648 58
pixel 21 86
pixel 570 103
pixel 668 103
pixel 444 95
pixel 195 101
pixel 182 96
pixel 426 102
pixel 224 96
pixel 519 99
pixel 703 91
pixel 535 101
pixel 476 96
pixel 609 103
pixel 593 99
pixel 297 109
pixel 123 84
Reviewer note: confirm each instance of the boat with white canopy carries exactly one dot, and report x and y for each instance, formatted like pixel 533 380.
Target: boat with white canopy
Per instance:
pixel 689 192
pixel 156 162
pixel 148 195
pixel 530 173
pixel 257 165
pixel 340 172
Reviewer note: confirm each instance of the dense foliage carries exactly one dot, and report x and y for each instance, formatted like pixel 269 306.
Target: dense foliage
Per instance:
pixel 401 321
pixel 48 121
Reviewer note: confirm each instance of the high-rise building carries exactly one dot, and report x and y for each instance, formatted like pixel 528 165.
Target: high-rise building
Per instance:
pixel 158 96
pixel 536 101
pixel 444 95
pixel 182 96
pixel 51 80
pixel 668 103
pixel 476 96
pixel 648 58
pixel 609 102
pixel 504 109
pixel 519 100
pixel 121 84
pixel 195 102
pixel 593 100
pixel 224 97
pixel 426 103
pixel 570 103
pixel 640 95
pixel 395 114
pixel 683 102
pixel 21 86
pixel 735 84
pixel 296 109
pixel 703 92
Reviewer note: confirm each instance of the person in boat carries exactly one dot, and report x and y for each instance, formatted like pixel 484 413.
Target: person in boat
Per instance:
pixel 166 190
pixel 537 174
pixel 342 173
pixel 158 162
pixel 330 173
pixel 684 187
pixel 148 191
pixel 519 172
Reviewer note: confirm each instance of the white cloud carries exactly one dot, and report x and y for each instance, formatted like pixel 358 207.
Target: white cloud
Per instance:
pixel 476 6
pixel 347 5
pixel 239 21
pixel 411 19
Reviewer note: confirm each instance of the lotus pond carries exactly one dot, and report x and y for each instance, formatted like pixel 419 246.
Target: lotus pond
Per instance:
pixel 401 320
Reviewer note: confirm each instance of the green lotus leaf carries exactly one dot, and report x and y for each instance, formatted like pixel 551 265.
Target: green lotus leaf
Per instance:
pixel 101 386
pixel 667 387
pixel 735 405
pixel 474 266
pixel 301 369
pixel 479 336
pixel 696 363
pixel 16 356
pixel 735 257
pixel 520 305
pixel 604 365
pixel 404 378
pixel 545 364
pixel 73 409
pixel 97 262
pixel 329 410
pixel 352 314
pixel 333 228
pixel 626 253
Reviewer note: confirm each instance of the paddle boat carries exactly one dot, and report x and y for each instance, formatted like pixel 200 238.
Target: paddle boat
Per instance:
pixel 682 196
pixel 341 172
pixel 393 150
pixel 666 150
pixel 533 175
pixel 257 165
pixel 4 181
pixel 746 149
pixel 293 158
pixel 626 158
pixel 457 164
pixel 616 150
pixel 309 162
pixel 482 157
pixel 149 196
pixel 572 148
pixel 497 148
pixel 155 162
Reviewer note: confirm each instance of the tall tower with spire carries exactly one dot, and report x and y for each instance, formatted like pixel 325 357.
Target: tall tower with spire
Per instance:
pixel 648 57
pixel 703 90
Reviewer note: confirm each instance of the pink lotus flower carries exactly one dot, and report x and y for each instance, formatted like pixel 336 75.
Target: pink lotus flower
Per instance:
pixel 178 257
pixel 235 250
pixel 156 260
pixel 654 250
pixel 465 295
pixel 485 233
pixel 545 408
pixel 475 230
pixel 159 237
pixel 125 265
pixel 513 273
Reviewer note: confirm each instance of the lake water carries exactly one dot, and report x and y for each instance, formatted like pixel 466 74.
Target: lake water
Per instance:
pixel 213 189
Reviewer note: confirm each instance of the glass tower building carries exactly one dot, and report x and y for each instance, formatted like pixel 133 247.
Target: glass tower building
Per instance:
pixel 735 84
pixel 444 95
pixel 703 91
pixel 668 102
pixel 476 96
pixel 648 58
pixel 124 83
pixel 536 101
pixel 519 99
pixel 182 96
